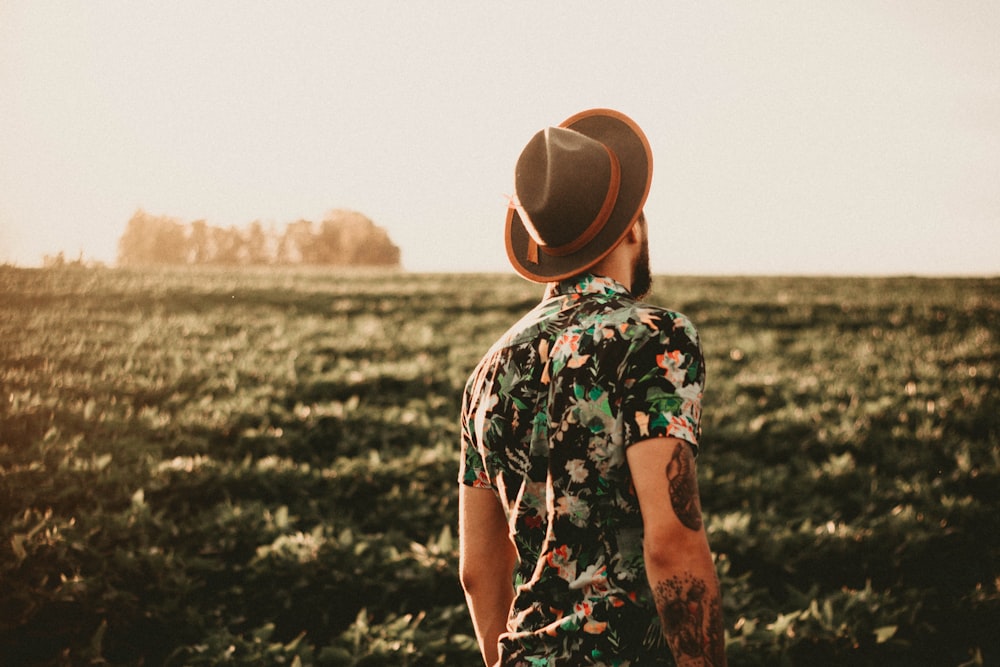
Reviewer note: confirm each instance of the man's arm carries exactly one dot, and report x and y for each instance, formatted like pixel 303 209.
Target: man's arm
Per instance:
pixel 486 564
pixel 678 561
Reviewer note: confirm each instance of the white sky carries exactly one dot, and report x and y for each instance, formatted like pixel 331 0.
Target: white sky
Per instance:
pixel 847 137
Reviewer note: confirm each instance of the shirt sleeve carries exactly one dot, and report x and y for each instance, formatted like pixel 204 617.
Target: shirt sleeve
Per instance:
pixel 472 468
pixel 662 381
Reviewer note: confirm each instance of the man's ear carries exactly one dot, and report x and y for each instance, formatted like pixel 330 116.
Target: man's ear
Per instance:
pixel 635 233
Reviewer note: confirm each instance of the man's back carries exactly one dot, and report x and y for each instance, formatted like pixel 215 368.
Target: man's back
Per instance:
pixel 547 417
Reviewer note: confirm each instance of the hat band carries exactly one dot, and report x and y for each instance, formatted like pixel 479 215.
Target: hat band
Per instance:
pixel 592 230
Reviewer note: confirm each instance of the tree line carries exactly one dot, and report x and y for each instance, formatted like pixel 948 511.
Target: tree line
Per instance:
pixel 342 238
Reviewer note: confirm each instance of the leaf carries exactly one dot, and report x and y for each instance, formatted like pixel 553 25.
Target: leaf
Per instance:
pixel 782 624
pixel 885 633
pixel 97 640
pixel 17 545
pixel 445 541
pixel 102 462
pixel 264 632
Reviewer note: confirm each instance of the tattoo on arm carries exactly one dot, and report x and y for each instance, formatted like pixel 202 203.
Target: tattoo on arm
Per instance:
pixel 684 487
pixel 692 621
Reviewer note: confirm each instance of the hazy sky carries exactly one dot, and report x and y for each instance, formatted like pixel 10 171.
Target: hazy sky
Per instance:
pixel 858 136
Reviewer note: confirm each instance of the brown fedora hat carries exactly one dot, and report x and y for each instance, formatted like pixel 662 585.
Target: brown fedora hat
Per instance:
pixel 578 189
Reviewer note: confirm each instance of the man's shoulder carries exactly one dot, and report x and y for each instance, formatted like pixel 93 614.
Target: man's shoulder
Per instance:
pixel 642 316
pixel 521 334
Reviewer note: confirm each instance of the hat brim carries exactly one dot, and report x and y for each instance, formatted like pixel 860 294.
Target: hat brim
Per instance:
pixel 623 136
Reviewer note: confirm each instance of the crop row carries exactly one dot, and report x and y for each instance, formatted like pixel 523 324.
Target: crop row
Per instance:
pixel 259 468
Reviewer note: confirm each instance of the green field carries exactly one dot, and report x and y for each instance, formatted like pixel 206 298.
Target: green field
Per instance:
pixel 254 468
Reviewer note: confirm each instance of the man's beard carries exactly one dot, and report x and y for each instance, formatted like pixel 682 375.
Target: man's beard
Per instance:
pixel 642 277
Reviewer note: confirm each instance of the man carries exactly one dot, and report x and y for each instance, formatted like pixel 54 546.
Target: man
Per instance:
pixel 581 534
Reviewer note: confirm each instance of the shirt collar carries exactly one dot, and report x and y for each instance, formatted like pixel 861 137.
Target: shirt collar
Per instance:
pixel 587 283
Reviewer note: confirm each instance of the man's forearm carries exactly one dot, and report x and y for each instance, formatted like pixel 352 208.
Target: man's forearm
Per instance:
pixel 690 610
pixel 489 606
pixel 682 574
pixel 486 565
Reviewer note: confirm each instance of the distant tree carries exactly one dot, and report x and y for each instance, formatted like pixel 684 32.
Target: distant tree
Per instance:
pixel 55 261
pixel 199 243
pixel 136 246
pixel 152 240
pixel 348 238
pixel 296 244
pixel 328 244
pixel 343 238
pixel 256 245
pixel 229 247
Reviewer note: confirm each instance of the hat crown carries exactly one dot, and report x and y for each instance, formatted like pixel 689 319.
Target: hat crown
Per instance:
pixel 564 181
pixel 578 189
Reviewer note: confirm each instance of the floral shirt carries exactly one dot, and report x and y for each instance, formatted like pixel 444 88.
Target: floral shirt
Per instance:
pixel 546 418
